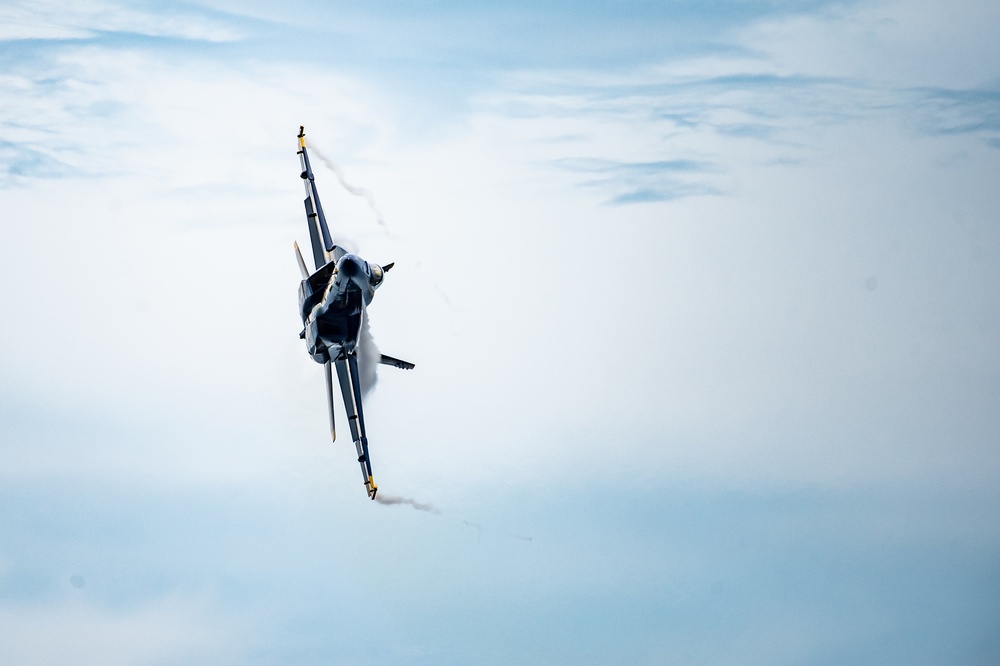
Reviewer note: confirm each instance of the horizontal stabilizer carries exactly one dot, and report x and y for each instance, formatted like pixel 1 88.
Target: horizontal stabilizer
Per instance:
pixel 395 362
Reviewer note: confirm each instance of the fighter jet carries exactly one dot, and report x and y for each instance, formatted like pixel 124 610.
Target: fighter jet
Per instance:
pixel 333 301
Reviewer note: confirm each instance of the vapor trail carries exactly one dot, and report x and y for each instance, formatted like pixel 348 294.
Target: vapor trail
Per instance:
pixel 419 506
pixel 430 508
pixel 479 529
pixel 356 191
pixel 368 356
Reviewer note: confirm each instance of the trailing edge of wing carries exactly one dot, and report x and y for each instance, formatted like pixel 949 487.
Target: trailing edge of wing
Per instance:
pixel 395 362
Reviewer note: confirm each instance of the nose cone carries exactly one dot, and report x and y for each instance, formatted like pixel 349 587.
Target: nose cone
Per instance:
pixel 351 266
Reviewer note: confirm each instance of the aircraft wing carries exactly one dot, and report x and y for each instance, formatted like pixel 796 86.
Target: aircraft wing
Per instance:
pixel 323 248
pixel 350 388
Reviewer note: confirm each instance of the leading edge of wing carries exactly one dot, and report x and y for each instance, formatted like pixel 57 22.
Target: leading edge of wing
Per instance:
pixel 324 249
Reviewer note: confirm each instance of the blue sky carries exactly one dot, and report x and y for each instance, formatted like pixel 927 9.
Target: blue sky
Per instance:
pixel 702 299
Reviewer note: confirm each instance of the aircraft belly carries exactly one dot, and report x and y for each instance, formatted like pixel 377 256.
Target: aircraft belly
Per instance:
pixel 332 334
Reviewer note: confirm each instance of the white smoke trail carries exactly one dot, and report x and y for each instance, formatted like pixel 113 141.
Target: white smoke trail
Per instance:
pixel 394 499
pixel 356 191
pixel 368 357
pixel 370 198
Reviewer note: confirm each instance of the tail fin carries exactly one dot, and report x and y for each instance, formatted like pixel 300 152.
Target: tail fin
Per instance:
pixel 302 263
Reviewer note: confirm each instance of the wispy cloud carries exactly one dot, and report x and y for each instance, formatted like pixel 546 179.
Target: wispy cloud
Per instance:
pixel 959 111
pixel 642 182
pixel 685 122
pixel 68 20
pixel 21 160
pixel 164 435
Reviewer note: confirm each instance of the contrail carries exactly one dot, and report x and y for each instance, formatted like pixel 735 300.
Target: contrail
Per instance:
pixel 370 198
pixel 479 529
pixel 430 508
pixel 356 191
pixel 419 506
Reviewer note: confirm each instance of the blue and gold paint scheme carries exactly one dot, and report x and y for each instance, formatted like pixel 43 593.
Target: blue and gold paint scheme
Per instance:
pixel 332 301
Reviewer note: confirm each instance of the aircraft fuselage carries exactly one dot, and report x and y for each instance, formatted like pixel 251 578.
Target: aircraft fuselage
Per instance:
pixel 332 304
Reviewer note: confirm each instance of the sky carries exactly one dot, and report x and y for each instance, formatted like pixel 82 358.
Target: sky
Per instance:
pixel 702 298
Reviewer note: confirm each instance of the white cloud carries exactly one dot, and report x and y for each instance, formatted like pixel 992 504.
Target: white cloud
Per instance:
pixel 826 319
pixel 889 42
pixel 87 19
pixel 726 336
pixel 163 258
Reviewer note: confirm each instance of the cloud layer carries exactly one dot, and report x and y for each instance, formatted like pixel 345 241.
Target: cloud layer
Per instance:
pixel 712 318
